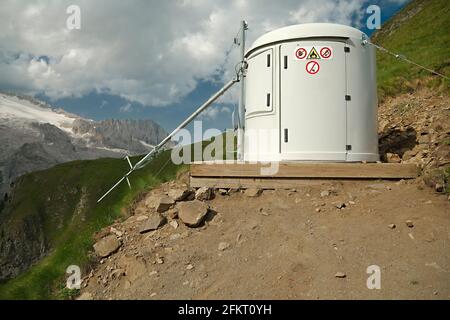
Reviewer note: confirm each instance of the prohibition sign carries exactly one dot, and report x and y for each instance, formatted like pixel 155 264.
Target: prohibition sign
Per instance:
pixel 325 52
pixel 301 53
pixel 312 67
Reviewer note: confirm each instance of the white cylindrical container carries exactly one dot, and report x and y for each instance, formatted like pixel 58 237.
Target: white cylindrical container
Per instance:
pixel 311 95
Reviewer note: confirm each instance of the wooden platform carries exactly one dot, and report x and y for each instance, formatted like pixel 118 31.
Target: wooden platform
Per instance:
pixel 291 174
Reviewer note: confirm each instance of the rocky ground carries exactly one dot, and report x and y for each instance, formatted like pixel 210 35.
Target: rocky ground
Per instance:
pixel 312 242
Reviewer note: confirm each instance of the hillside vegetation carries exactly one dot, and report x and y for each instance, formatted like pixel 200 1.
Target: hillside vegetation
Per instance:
pixel 63 200
pixel 420 31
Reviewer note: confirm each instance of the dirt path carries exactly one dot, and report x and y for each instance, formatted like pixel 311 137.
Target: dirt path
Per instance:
pixel 289 244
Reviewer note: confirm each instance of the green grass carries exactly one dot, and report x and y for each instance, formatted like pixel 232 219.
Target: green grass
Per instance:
pixel 54 195
pixel 423 38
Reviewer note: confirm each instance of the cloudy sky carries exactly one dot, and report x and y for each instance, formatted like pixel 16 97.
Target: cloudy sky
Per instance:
pixel 146 59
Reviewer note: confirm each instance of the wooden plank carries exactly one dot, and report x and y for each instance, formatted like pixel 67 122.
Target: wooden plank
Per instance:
pixel 274 183
pixel 309 170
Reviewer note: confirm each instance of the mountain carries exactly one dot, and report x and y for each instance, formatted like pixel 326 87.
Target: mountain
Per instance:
pixel 35 136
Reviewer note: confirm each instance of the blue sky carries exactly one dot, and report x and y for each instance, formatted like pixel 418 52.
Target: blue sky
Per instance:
pixel 93 91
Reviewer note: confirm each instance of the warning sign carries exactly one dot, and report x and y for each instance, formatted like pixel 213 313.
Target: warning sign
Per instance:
pixel 301 53
pixel 326 53
pixel 312 67
pixel 313 54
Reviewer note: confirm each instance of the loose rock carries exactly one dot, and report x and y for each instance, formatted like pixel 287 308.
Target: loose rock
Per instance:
pixel 179 194
pixel 107 246
pixel 392 226
pixel 192 213
pixel 164 203
pixel 439 187
pixel 340 275
pixel 223 246
pixel 204 193
pixel 409 224
pixel 223 192
pixel 325 193
pixel 253 192
pixel 173 213
pixel 141 218
pixel 340 205
pixel 152 223
pixel 174 224
pixel 118 233
pixel 393 158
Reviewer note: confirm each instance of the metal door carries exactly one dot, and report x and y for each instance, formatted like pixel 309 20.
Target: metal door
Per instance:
pixel 313 115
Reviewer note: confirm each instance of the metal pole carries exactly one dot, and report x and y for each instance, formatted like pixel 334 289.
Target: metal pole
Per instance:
pixel 145 159
pixel 241 118
pixel 189 119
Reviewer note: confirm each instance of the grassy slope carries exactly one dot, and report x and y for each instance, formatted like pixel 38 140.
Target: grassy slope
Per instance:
pixel 423 37
pixel 54 194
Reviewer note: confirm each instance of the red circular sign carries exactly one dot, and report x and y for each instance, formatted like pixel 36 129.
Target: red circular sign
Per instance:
pixel 301 53
pixel 312 67
pixel 325 52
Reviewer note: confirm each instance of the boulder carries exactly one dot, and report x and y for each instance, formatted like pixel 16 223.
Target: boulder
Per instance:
pixel 107 246
pixel 152 223
pixel 164 203
pixel 179 194
pixel 204 193
pixel 192 213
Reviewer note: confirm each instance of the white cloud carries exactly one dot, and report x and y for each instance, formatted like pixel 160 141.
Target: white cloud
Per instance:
pixel 152 52
pixel 214 112
pixel 126 108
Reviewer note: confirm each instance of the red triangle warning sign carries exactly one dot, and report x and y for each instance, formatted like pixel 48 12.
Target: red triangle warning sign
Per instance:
pixel 313 54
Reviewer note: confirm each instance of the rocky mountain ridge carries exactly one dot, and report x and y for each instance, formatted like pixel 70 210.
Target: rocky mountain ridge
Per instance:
pixel 35 136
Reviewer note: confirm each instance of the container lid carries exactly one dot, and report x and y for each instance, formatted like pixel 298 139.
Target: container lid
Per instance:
pixel 307 30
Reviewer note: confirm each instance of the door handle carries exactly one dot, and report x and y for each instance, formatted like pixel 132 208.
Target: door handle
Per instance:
pixel 286 135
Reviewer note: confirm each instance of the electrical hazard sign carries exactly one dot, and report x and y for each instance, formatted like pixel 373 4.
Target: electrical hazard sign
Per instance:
pixel 314 53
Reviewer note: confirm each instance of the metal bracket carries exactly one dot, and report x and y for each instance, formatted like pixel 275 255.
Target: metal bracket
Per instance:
pixel 364 40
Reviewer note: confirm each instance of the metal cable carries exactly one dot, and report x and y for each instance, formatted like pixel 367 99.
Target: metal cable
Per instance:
pixel 402 57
